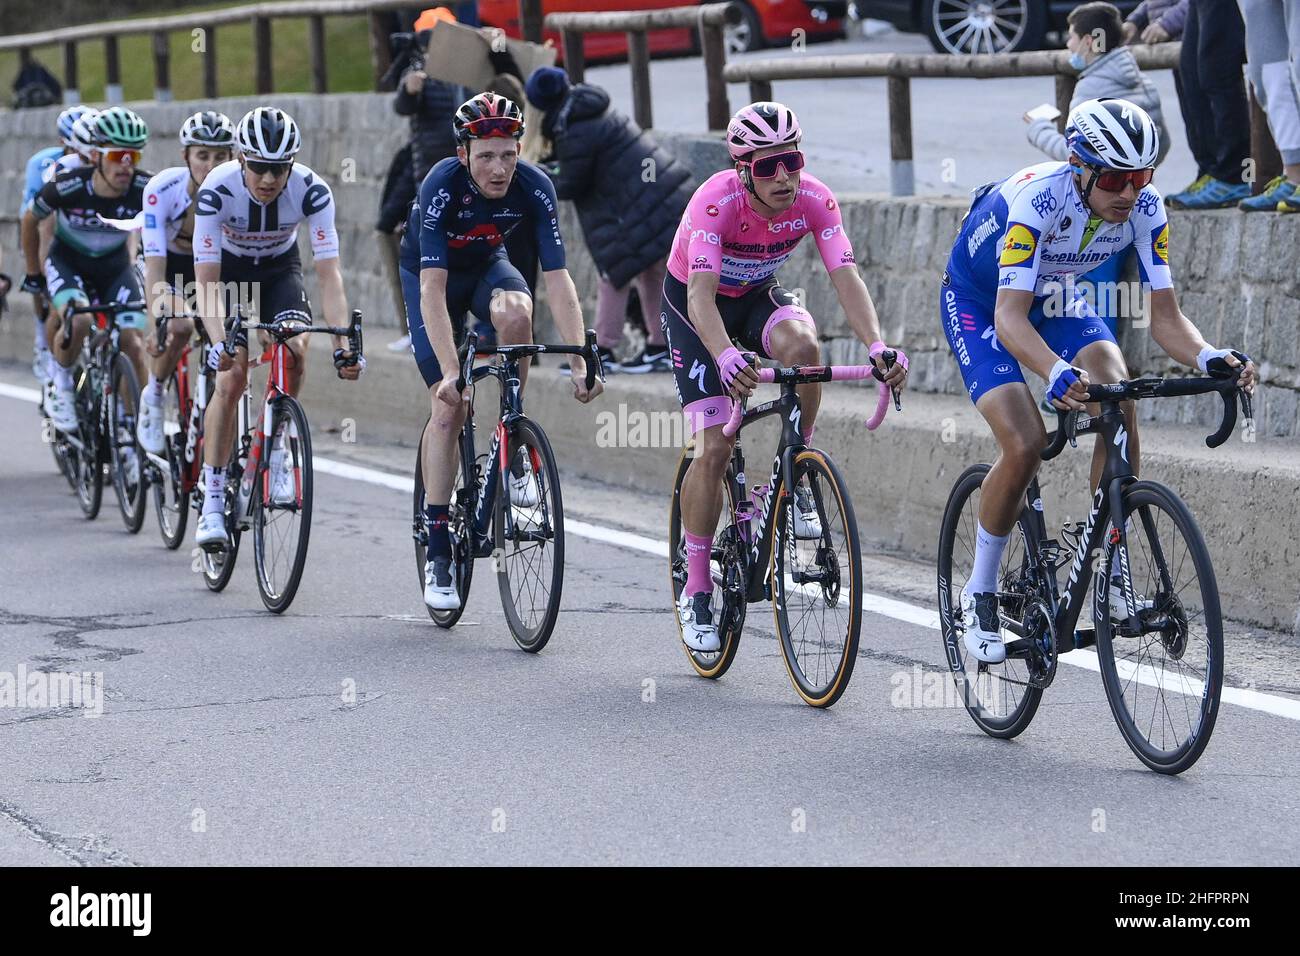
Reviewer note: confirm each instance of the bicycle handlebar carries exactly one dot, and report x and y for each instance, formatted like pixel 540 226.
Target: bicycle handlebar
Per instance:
pixel 108 308
pixel 588 351
pixel 827 373
pixel 1136 388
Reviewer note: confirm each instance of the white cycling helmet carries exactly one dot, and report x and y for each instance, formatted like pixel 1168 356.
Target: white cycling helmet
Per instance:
pixel 85 134
pixel 208 128
pixel 67 119
pixel 1114 134
pixel 269 134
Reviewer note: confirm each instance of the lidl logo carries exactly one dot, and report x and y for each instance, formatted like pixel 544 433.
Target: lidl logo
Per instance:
pixel 1019 246
pixel 1160 244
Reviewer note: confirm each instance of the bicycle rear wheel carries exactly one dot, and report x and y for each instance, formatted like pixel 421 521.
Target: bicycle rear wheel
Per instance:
pixel 728 562
pixel 529 542
pixel 1163 680
pixel 89 483
pixel 817 584
pixel 998 697
pixel 459 524
pixel 129 472
pixel 282 529
pixel 169 497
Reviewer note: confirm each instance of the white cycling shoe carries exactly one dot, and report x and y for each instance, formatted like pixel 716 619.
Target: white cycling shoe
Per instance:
pixel 149 428
pixel 61 407
pixel 699 633
pixel 807 522
pixel 439 585
pixel 210 535
pixel 283 489
pixel 983 638
pixel 523 488
pixel 1119 607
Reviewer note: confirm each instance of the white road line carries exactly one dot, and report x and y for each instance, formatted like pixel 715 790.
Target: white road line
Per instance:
pixel 874 603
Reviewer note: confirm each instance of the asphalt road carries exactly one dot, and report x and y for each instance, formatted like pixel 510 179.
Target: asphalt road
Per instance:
pixel 965 132
pixel 226 737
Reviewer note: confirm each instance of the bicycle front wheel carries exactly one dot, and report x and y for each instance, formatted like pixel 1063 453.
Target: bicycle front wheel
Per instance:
pixel 129 481
pixel 169 496
pixel 817 582
pixel 282 509
pixel 529 538
pixel 1163 678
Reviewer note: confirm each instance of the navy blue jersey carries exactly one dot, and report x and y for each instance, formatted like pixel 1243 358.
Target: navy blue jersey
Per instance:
pixel 454 226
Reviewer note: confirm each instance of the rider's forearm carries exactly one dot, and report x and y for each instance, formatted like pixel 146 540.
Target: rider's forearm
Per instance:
pixel 562 296
pixel 856 302
pixel 707 320
pixel 46 230
pixel 212 309
pixel 1019 337
pixel 1173 331
pixel 157 292
pixel 437 321
pixel 31 235
pixel 333 298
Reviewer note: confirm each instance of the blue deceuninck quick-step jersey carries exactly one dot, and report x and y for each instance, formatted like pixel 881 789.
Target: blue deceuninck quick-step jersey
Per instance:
pixel 1032 232
pixel 36 167
pixel 454 226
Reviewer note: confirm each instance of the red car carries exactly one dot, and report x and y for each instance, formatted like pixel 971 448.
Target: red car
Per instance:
pixel 764 22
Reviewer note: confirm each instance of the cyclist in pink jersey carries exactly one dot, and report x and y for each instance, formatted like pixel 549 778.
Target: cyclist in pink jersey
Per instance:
pixel 720 290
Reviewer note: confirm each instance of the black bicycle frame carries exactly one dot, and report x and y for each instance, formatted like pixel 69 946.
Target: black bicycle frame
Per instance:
pixel 507 375
pixel 759 538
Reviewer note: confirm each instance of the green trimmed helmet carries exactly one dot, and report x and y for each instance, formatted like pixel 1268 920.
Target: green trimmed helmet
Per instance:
pixel 121 127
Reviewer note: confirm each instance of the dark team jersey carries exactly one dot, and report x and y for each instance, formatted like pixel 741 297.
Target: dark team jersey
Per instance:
pixel 454 226
pixel 79 225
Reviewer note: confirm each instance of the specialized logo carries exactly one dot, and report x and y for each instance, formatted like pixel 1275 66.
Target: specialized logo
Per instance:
pixel 711 209
pixel 1160 244
pixel 1019 246
pixel 696 373
pixel 991 333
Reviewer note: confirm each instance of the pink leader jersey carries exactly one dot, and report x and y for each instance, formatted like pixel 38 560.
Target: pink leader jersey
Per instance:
pixel 720 233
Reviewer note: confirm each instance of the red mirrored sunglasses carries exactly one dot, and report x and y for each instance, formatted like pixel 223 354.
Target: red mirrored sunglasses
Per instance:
pixel 1113 180
pixel 766 167
pixel 493 126
pixel 122 156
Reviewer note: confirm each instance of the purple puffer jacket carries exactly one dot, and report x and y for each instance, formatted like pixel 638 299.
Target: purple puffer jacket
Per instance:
pixel 1170 14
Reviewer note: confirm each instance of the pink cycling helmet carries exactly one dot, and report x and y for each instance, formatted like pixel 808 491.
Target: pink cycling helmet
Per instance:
pixel 760 125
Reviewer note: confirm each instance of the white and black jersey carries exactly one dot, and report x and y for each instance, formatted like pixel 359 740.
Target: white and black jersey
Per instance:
pixel 166 201
pixel 229 220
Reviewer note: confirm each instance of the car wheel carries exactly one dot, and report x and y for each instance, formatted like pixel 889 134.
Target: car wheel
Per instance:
pixel 746 35
pixel 984 26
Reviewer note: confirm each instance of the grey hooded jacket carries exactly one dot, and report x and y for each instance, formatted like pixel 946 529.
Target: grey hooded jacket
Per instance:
pixel 1115 74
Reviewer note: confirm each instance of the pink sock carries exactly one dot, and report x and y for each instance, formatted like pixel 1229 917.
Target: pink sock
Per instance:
pixel 699 580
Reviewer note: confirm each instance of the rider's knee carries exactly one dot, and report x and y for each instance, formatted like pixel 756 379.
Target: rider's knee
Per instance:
pixel 712 451
pixel 231 383
pixel 512 315
pixel 1023 451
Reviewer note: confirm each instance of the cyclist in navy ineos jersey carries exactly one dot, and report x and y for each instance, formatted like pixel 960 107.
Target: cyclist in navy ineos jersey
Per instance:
pixel 453 260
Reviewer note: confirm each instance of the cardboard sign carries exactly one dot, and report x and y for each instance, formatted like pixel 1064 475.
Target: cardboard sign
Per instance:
pixel 459 54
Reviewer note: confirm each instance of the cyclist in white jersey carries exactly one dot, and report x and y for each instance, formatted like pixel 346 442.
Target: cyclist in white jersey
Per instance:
pixel 207 141
pixel 246 243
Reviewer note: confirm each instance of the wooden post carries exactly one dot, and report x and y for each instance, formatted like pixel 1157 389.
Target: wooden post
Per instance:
pixel 1065 83
pixel 262 55
pixel 530 20
pixel 316 34
pixel 638 61
pixel 381 57
pixel 760 91
pixel 902 178
pixel 1268 161
pixel 162 84
pixel 112 71
pixel 713 46
pixel 210 62
pixel 571 41
pixel 71 92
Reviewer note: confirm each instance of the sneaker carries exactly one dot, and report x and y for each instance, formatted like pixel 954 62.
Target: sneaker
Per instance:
pixel 61 406
pixel 149 429
pixel 1289 203
pixel 401 345
pixel 696 619
pixel 982 638
pixel 41 360
pixel 653 358
pixel 211 532
pixel 1216 194
pixel 439 587
pixel 1278 189
pixel 807 522
pixel 1174 199
pixel 607 361
pixel 523 486
pixel 283 489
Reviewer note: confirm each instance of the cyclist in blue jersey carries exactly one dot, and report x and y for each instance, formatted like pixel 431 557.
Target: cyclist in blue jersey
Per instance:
pixel 36 174
pixel 453 260
pixel 1008 299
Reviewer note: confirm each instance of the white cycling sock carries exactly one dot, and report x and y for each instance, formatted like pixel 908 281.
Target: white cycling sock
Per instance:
pixel 61 376
pixel 214 484
pixel 988 552
pixel 39 338
pixel 153 392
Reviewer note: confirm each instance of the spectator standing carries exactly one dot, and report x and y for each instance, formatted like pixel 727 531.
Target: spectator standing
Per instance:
pixel 1269 66
pixel 1212 95
pixel 630 195
pixel 1156 21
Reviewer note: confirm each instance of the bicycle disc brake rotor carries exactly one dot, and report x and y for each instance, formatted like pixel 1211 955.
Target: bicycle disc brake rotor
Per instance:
pixel 1040 631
